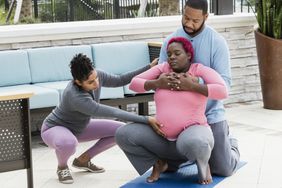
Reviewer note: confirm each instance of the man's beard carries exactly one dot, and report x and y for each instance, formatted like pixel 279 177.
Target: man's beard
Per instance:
pixel 195 32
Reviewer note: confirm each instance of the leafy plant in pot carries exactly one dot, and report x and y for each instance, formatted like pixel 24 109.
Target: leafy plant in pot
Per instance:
pixel 268 38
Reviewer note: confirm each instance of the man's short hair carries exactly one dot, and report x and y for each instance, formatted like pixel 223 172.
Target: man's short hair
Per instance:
pixel 198 4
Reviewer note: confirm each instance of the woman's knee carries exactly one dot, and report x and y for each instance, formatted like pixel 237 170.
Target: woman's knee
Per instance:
pixel 121 135
pixel 112 124
pixel 186 145
pixel 117 126
pixel 66 145
pixel 128 135
pixel 194 148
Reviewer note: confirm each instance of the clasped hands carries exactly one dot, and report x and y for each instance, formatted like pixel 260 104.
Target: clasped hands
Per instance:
pixel 176 81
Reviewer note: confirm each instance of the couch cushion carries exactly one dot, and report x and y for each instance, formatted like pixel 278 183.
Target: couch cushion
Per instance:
pixel 111 93
pixel 42 98
pixel 14 68
pixel 120 57
pixel 59 86
pixel 106 93
pixel 52 63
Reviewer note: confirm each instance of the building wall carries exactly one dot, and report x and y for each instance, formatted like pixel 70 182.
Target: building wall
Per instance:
pixel 236 29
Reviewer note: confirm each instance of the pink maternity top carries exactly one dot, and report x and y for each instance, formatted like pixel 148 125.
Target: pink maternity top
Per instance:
pixel 177 110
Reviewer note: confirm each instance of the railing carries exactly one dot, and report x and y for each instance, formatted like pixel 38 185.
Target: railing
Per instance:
pixel 76 10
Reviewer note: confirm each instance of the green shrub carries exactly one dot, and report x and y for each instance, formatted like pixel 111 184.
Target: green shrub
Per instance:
pixel 3 14
pixel 29 20
pixel 269 17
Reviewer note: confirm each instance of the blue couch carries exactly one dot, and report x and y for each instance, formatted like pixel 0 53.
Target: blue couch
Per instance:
pixel 45 72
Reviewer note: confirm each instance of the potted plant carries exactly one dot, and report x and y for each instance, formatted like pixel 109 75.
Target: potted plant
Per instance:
pixel 268 38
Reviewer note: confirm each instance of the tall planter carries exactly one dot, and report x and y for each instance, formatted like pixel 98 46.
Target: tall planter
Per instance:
pixel 269 54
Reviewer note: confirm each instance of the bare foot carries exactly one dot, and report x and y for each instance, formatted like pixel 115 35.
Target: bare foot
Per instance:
pixel 205 178
pixel 159 167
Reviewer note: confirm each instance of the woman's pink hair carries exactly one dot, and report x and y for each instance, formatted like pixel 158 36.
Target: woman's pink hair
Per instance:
pixel 186 44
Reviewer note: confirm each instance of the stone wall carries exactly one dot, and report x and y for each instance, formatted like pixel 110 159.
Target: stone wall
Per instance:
pixel 245 74
pixel 236 29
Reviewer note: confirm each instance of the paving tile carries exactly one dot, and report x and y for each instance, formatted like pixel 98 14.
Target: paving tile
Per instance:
pixel 258 130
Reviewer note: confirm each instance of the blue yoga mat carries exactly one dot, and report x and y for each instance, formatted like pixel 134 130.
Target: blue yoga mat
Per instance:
pixel 184 177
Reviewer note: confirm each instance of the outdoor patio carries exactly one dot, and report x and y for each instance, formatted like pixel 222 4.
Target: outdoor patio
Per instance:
pixel 258 130
pixel 260 136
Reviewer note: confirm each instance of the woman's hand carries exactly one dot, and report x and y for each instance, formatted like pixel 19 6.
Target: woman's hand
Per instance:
pixel 166 81
pixel 154 62
pixel 173 81
pixel 156 126
pixel 184 82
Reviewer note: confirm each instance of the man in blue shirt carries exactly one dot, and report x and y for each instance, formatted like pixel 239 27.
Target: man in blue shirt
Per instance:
pixel 210 50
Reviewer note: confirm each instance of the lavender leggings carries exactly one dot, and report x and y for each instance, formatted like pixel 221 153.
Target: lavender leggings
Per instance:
pixel 64 141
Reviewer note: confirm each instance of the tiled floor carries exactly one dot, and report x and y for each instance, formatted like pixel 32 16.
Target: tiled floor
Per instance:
pixel 260 137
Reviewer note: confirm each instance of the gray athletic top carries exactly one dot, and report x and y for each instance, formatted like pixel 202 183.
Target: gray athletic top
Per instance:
pixel 78 106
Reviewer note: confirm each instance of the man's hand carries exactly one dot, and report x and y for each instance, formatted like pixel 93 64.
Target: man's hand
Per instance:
pixel 156 126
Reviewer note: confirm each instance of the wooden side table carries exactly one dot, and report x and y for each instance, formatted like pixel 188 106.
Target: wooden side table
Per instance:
pixel 15 137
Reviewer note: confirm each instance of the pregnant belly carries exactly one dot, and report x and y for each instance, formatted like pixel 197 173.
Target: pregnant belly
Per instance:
pixel 176 110
pixel 172 125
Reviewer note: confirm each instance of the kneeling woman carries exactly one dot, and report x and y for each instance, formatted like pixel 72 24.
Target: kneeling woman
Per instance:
pixel 180 109
pixel 71 121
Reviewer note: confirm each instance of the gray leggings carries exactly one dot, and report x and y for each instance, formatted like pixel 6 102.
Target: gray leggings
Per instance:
pixel 143 147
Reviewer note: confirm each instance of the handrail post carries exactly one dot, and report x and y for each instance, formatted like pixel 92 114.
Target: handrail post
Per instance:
pixel 35 8
pixel 71 6
pixel 116 9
